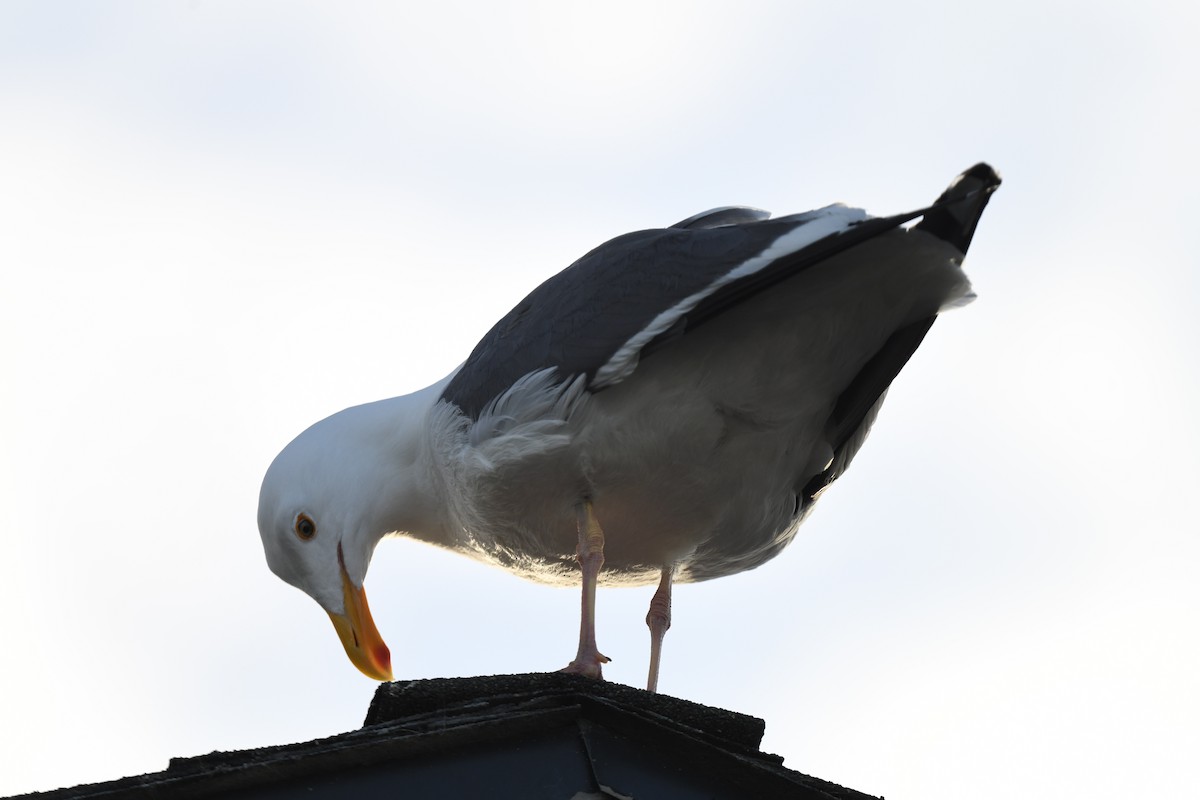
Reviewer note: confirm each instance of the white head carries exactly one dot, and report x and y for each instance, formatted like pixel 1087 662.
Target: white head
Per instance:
pixel 328 499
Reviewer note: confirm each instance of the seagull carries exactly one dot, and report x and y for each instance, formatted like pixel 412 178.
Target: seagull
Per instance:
pixel 667 409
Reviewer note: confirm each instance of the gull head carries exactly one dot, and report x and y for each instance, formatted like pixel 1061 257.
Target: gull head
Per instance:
pixel 326 501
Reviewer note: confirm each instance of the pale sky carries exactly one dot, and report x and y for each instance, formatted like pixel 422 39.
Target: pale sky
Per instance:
pixel 220 222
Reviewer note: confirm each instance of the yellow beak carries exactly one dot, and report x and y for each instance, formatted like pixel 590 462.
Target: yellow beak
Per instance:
pixel 358 633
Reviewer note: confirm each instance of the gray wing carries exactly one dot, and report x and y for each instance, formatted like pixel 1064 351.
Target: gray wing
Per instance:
pixel 629 296
pixel 725 215
pixel 617 304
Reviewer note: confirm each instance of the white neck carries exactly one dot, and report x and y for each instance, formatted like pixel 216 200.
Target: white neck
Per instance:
pixel 409 496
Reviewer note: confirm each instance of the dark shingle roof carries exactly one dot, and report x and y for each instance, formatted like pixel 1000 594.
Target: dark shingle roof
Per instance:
pixel 506 736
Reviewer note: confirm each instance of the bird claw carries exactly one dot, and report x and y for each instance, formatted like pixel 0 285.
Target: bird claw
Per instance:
pixel 588 666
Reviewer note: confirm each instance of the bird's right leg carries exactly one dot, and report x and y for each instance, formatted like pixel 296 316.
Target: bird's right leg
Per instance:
pixel 658 619
pixel 590 555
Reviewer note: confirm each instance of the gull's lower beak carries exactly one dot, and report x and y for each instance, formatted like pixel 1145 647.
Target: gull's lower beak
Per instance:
pixel 356 629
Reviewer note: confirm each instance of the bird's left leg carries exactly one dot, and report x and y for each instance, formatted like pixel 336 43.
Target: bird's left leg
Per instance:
pixel 590 554
pixel 658 619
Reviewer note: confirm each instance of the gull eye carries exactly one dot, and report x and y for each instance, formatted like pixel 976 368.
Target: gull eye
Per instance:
pixel 305 527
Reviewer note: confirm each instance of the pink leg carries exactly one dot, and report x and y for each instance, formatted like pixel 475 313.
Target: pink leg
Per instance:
pixel 658 619
pixel 590 554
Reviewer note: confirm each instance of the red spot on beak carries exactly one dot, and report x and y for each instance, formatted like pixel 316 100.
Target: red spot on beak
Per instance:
pixel 383 656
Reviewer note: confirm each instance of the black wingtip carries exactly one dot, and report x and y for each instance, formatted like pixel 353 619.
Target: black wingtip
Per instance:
pixel 956 213
pixel 983 173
